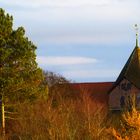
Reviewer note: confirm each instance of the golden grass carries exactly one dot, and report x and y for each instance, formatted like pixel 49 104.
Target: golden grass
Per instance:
pixel 69 120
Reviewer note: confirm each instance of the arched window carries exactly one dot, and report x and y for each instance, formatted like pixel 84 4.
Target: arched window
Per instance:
pixel 122 101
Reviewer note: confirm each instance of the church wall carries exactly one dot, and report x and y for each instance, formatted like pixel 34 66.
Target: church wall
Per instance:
pixel 121 95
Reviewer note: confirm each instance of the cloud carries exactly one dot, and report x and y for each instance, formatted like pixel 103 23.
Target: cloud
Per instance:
pixel 55 3
pixel 63 3
pixel 75 25
pixel 64 60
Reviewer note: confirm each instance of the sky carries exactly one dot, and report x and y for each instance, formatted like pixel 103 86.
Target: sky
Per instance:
pixel 82 40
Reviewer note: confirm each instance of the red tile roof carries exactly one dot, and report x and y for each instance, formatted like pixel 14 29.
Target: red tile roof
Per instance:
pixel 98 91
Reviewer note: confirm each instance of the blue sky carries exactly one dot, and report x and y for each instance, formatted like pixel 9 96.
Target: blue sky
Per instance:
pixel 83 40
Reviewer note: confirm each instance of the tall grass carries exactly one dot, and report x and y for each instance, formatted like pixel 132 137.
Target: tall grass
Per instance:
pixel 83 118
pixel 80 119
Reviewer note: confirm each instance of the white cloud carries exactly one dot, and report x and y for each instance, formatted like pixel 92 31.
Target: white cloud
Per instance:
pixel 64 60
pixel 56 3
pixel 75 25
pixel 64 3
pixel 83 74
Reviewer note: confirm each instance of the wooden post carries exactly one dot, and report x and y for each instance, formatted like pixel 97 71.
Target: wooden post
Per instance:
pixel 3 117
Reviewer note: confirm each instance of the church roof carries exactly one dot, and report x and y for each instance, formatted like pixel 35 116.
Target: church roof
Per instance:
pixel 97 91
pixel 100 87
pixel 131 70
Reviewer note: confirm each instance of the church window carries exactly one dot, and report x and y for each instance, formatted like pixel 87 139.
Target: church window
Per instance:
pixel 126 86
pixel 122 101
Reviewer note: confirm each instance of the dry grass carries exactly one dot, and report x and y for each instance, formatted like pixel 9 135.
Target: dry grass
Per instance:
pixel 70 120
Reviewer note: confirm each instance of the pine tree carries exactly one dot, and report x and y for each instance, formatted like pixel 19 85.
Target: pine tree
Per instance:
pixel 19 74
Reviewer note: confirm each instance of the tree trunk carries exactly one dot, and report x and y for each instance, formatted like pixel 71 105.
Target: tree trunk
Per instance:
pixel 3 118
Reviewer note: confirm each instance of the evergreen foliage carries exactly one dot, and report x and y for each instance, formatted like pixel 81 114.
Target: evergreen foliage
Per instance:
pixel 19 73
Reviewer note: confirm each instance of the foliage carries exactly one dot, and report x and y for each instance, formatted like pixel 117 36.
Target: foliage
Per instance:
pixel 19 74
pixel 129 126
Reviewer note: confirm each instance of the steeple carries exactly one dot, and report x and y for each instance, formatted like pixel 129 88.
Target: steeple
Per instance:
pixel 137 35
pixel 131 70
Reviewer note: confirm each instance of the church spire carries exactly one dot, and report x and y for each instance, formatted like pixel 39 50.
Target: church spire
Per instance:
pixel 137 35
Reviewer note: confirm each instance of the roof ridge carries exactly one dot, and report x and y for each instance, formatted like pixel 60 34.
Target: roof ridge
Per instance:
pixel 138 57
pixel 125 69
pixel 131 58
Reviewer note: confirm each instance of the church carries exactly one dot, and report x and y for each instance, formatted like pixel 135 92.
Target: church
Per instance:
pixel 112 95
pixel 116 95
pixel 127 84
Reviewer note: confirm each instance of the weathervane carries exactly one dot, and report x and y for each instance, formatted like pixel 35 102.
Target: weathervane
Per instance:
pixel 137 34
